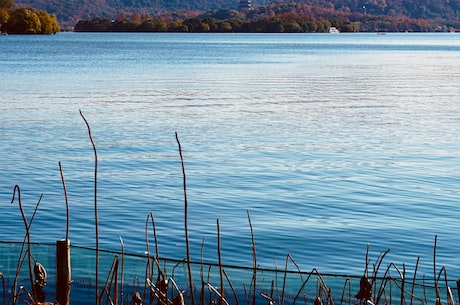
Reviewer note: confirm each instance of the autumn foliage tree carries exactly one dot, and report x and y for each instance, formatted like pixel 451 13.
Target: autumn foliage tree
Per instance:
pixel 24 20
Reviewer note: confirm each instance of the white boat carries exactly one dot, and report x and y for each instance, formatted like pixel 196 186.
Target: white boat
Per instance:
pixel 333 30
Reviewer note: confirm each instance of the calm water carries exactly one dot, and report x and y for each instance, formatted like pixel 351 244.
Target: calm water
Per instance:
pixel 330 142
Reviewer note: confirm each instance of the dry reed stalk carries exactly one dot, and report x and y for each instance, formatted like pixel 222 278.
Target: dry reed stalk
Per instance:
pixel 276 280
pixel 222 300
pixel 413 282
pixel 237 302
pixel 187 243
pixel 179 299
pixel 66 203
pixel 436 288
pixel 201 302
pixel 96 217
pixel 272 301
pixel 450 297
pixel 111 281
pixel 323 286
pixel 209 280
pixel 157 252
pixel 288 258
pixel 345 285
pixel 246 293
pixel 148 274
pixel 122 269
pixel 366 268
pixel 376 268
pixel 27 237
pixel 63 279
pixel 25 241
pixel 386 278
pixel 22 257
pixel 424 290
pixel 403 282
pixel 254 260
pixel 219 255
pixel 444 271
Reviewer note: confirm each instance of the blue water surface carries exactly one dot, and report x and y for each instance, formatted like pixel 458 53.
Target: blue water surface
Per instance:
pixel 328 142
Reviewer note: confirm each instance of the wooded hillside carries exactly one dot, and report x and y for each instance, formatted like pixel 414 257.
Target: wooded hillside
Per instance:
pixel 69 12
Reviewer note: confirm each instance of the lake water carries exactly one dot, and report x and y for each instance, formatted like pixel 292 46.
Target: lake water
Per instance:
pixel 330 142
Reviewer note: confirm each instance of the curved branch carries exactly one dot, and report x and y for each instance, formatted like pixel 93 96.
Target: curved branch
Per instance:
pixel 95 207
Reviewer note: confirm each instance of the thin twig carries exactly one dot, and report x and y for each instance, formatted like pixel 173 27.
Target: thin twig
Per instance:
pixel 436 288
pixel 148 275
pixel 444 271
pixel 112 279
pixel 254 257
pixel 187 243
pixel 413 283
pixel 313 272
pixel 66 204
pixel 289 258
pixel 366 265
pixel 96 217
pixel 377 267
pixel 403 281
pixel 201 302
pixel 122 269
pixel 157 251
pixel 347 283
pixel 21 257
pixel 386 278
pixel 237 302
pixel 26 224
pixel 219 255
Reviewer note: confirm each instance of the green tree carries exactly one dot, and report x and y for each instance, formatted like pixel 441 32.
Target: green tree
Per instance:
pixel 203 27
pixel 291 26
pixel 49 24
pixel 4 17
pixel 225 27
pixel 30 21
pixel 24 21
pixel 95 25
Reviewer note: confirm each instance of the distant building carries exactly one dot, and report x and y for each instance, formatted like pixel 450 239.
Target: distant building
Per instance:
pixel 245 5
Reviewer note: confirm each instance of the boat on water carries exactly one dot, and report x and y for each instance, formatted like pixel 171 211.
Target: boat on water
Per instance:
pixel 333 30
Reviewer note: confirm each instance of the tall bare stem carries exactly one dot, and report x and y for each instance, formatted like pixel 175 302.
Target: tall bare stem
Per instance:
pixel 219 254
pixel 187 243
pixel 27 227
pixel 66 204
pixel 254 260
pixel 96 217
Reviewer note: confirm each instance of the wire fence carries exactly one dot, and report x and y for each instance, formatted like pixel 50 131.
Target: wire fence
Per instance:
pixel 143 279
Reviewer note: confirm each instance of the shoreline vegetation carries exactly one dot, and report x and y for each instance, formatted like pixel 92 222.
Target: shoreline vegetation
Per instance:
pixel 25 20
pixel 261 21
pixel 180 282
pixel 272 18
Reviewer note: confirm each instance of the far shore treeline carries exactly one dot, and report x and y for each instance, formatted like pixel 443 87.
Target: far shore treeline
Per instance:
pixel 285 18
pixel 277 24
pixel 24 20
pixel 264 25
pixel 276 17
